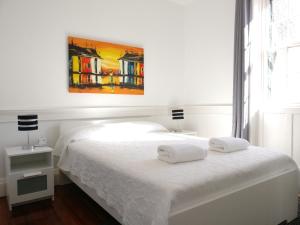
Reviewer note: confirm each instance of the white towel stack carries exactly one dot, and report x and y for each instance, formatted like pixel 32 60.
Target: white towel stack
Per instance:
pixel 228 144
pixel 175 153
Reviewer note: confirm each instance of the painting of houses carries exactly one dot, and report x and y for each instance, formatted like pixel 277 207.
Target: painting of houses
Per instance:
pixel 102 67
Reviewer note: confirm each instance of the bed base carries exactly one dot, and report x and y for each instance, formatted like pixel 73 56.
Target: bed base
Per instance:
pixel 267 203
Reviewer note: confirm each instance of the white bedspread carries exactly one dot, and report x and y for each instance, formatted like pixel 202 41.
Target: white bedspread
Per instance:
pixel 125 173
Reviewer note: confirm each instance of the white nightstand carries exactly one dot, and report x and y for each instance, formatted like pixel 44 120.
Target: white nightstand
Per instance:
pixel 186 132
pixel 29 174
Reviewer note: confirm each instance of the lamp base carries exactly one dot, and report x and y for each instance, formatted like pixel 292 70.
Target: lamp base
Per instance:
pixel 28 147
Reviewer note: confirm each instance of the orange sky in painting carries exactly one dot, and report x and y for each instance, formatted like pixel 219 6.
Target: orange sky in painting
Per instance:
pixel 109 52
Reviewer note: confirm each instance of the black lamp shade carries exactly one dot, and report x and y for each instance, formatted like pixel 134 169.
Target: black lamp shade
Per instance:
pixel 27 122
pixel 177 114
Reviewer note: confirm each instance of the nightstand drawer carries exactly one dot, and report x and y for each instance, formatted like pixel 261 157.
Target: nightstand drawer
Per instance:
pixel 26 186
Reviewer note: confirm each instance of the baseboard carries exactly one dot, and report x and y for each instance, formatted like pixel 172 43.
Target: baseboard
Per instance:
pixel 2 187
pixel 60 178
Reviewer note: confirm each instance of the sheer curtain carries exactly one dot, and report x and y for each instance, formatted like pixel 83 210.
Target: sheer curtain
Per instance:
pixel 282 73
pixel 266 63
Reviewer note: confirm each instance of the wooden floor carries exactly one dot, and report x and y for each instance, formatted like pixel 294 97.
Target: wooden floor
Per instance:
pixel 70 207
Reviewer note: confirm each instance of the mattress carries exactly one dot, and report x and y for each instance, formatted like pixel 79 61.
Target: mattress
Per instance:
pixel 126 173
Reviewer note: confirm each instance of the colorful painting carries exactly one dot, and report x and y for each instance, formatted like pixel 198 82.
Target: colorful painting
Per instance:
pixel 102 67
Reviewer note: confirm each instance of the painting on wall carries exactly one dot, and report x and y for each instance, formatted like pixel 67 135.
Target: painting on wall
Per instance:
pixel 106 68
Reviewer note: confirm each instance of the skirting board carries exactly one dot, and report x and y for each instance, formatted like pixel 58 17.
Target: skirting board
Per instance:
pixel 2 187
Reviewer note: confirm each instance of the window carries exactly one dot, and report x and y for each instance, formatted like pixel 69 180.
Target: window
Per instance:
pixel 282 70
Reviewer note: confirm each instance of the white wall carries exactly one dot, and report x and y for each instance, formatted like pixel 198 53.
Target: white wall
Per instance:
pixel 33 43
pixel 188 50
pixel 208 48
pixel 188 60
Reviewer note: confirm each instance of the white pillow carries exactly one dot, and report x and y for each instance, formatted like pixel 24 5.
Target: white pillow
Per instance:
pixel 69 126
pixel 105 131
pixel 75 134
pixel 133 127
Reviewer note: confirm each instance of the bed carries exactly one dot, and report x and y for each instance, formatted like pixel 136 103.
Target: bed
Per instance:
pixel 116 164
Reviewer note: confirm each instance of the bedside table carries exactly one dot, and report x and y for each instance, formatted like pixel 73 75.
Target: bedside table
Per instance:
pixel 186 132
pixel 29 174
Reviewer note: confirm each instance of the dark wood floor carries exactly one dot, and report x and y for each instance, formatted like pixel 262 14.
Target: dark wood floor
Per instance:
pixel 70 207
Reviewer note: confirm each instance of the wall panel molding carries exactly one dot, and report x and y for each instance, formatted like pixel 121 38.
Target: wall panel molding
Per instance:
pixel 208 109
pixel 110 112
pixel 85 113
pixel 280 129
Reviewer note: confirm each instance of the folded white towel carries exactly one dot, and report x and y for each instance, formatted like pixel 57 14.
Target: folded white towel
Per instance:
pixel 176 153
pixel 228 144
